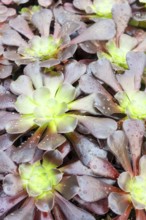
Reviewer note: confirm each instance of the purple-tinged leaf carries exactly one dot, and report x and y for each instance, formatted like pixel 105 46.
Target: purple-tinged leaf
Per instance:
pixel 45 3
pixel 142 166
pixel 118 144
pixel 106 105
pixel 92 189
pixel 52 159
pixel 46 203
pixel 102 69
pixel 119 202
pixel 70 211
pixel 125 215
pixel 99 127
pixel 7 101
pixel 25 212
pixel 57 213
pixel 82 5
pixel 73 71
pixel 121 12
pixel 12 185
pixel 6 164
pixel 76 168
pixel 18 126
pixel 14 40
pixel 134 130
pixel 26 151
pixel 67 53
pixel 33 71
pixel 5 71
pixel 103 168
pixel 49 63
pixel 42 20
pixel 89 84
pixel 100 207
pixel 21 25
pixel 103 29
pixel 68 187
pixel 7 202
pixel 51 140
pixel 6 117
pixel 131 79
pixel 140 214
pixel 7 140
pixel 22 85
pixel 64 149
pixel 85 148
pixel 63 16
pixel 46 215
pixel 69 28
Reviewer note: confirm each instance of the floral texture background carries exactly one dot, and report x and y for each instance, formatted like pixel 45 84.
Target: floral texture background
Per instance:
pixel 72 110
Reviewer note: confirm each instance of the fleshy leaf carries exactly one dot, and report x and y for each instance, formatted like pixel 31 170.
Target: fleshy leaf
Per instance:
pixel 19 125
pixel 73 71
pixel 52 159
pixel 66 93
pixel 46 203
pixel 118 203
pixel 134 130
pixel 104 29
pixel 103 168
pixel 70 211
pixel 20 25
pixel 25 212
pixel 101 69
pixel 51 140
pixel 32 70
pixel 6 202
pixel 100 207
pixel 12 185
pixel 121 14
pixel 66 123
pixel 98 127
pixel 142 165
pixel 86 149
pixel 42 20
pixel 82 5
pixel 124 180
pixel 22 102
pixel 89 84
pixel 6 164
pixel 91 189
pixel 118 144
pixel 53 81
pixel 68 187
pixel 76 168
pixel 22 85
pixel 85 104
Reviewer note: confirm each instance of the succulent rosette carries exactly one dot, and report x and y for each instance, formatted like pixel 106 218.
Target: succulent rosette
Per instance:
pixel 50 101
pixel 117 54
pixel 130 99
pixel 42 185
pixel 43 45
pixel 132 181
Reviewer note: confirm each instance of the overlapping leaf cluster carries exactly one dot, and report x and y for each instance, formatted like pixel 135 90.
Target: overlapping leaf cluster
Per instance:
pixel 72 109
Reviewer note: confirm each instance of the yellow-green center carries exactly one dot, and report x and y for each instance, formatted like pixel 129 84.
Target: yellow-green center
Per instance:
pixel 137 189
pixel 43 47
pixel 133 103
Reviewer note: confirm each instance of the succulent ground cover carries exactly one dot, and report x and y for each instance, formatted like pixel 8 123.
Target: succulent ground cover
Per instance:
pixel 72 110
